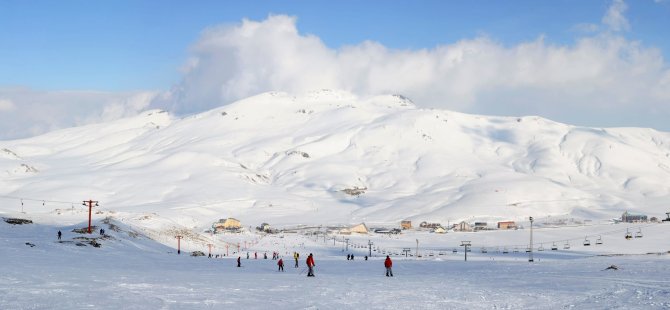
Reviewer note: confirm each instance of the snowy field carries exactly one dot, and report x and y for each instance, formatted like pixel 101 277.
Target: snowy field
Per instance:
pixel 131 271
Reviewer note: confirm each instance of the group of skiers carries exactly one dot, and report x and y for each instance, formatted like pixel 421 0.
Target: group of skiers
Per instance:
pixel 388 264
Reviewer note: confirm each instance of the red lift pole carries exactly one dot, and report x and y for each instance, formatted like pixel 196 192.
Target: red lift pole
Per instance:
pixel 89 203
pixel 179 244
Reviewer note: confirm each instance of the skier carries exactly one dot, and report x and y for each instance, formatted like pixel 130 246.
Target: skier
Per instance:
pixel 348 256
pixel 59 234
pixel 239 262
pixel 366 257
pixel 255 255
pixel 280 263
pixel 247 255
pixel 388 264
pixel 296 256
pixel 310 265
pixel 352 256
pixel 265 255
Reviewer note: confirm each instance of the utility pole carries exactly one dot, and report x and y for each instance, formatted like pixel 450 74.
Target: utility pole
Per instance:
pixel 209 245
pixel 90 207
pixel 417 248
pixel 530 255
pixel 465 244
pixel 179 244
pixel 370 247
pixel 347 240
pixel 227 245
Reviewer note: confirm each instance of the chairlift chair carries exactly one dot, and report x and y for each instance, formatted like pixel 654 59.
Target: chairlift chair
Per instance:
pixel 554 247
pixel 638 234
pixel 484 250
pixel 541 247
pixel 599 241
pixel 587 242
pixel 505 251
pixel 566 246
pixel 528 250
pixel 454 251
pixel 628 235
pixel 516 250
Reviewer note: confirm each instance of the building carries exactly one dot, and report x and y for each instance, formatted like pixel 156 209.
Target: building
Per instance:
pixel 462 226
pixel 628 217
pixel 358 229
pixel 406 224
pixel 440 230
pixel 507 225
pixel 429 225
pixel 480 226
pixel 265 227
pixel 229 224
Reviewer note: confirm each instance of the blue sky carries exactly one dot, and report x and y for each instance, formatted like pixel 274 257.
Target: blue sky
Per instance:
pixel 132 45
pixel 522 57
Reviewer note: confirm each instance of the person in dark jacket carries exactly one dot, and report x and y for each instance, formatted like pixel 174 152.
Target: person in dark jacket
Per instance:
pixel 388 264
pixel 59 234
pixel 280 263
pixel 239 261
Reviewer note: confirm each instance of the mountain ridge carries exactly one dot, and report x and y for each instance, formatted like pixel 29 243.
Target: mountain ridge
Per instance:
pixel 329 157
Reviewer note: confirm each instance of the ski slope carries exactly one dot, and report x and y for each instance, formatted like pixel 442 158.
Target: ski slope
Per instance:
pixel 132 271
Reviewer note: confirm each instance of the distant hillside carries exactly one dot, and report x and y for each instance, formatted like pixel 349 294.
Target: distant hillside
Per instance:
pixel 330 157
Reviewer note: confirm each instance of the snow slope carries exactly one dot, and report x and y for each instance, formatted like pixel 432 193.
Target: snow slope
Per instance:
pixel 132 271
pixel 328 157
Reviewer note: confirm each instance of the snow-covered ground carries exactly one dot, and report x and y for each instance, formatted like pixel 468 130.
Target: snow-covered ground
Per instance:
pixel 328 159
pixel 131 271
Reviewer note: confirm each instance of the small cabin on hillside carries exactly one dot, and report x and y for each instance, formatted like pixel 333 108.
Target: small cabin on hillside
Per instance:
pixel 506 225
pixel 229 224
pixel 406 224
pixel 440 230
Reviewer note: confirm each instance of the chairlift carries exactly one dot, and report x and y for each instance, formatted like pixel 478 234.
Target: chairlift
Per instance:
pixel 441 253
pixel 454 251
pixel 431 254
pixel 541 247
pixel 516 250
pixel 505 251
pixel 566 246
pixel 599 241
pixel 484 250
pixel 528 250
pixel 638 234
pixel 628 235
pixel 554 247
pixel 587 242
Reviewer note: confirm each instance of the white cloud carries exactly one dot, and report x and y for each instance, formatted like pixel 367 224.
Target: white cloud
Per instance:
pixel 614 18
pixel 6 105
pixel 599 80
pixel 36 112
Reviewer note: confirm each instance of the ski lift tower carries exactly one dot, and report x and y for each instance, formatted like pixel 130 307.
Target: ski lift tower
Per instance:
pixel 667 219
pixel 466 244
pixel 530 253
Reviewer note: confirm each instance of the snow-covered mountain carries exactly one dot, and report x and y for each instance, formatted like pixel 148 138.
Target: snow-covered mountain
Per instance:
pixel 329 157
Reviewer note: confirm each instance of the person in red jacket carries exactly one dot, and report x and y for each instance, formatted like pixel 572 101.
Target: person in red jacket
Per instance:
pixel 280 263
pixel 388 264
pixel 310 265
